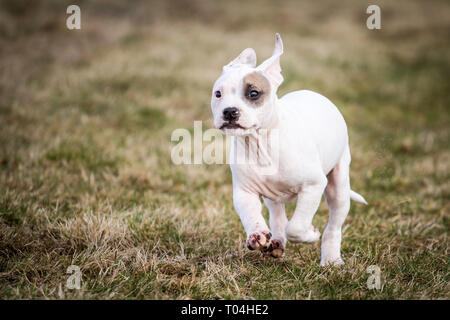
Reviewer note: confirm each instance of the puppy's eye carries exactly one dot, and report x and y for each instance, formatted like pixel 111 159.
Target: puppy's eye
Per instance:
pixel 253 94
pixel 218 94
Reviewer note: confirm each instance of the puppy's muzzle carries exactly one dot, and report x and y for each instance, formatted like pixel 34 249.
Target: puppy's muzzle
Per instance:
pixel 231 114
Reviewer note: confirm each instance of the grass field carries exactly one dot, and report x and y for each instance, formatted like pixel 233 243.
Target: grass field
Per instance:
pixel 86 177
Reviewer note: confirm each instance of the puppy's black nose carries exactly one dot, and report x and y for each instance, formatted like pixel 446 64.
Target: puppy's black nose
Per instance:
pixel 231 114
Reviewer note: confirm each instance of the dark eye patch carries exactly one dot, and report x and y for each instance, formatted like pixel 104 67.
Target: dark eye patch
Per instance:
pixel 256 88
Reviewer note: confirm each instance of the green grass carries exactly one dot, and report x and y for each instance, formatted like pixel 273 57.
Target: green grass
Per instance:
pixel 85 172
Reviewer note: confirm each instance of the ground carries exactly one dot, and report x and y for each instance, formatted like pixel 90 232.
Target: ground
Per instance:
pixel 86 177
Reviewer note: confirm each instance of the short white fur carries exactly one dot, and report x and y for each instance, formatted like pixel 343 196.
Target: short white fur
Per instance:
pixel 313 155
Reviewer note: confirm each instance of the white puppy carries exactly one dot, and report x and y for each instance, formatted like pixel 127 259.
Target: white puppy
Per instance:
pixel 311 154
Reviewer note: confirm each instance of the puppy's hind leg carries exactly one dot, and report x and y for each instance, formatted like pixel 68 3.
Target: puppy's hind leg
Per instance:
pixel 278 221
pixel 300 228
pixel 337 194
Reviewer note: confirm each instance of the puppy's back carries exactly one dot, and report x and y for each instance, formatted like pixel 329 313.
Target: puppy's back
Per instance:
pixel 311 111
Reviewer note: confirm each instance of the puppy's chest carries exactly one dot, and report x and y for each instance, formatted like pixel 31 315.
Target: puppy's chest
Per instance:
pixel 277 187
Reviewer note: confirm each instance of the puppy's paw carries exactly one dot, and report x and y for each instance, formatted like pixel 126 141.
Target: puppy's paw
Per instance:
pixel 275 249
pixel 257 240
pixel 295 233
pixel 330 261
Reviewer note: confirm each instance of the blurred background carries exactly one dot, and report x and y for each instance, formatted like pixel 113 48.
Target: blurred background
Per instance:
pixel 85 123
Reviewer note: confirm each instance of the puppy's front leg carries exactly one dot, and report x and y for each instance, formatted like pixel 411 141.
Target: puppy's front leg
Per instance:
pixel 248 207
pixel 300 228
pixel 278 222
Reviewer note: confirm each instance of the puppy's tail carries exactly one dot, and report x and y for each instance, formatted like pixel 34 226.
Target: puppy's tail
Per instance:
pixel 357 197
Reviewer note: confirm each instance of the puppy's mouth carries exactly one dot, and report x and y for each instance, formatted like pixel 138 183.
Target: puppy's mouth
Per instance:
pixel 231 125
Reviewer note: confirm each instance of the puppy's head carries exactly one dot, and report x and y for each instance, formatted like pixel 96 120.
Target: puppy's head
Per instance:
pixel 243 96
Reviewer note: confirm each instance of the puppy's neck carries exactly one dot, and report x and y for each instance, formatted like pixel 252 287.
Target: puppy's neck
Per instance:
pixel 271 121
pixel 260 148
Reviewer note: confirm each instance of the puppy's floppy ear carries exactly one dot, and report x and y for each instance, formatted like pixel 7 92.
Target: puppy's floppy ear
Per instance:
pixel 246 57
pixel 271 67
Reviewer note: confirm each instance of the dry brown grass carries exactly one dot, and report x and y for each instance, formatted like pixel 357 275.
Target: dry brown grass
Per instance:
pixel 85 170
